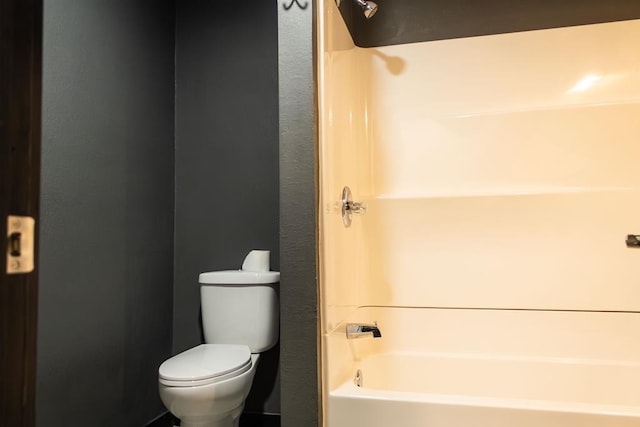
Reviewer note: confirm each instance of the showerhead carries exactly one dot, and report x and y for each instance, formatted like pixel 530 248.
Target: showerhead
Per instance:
pixel 369 7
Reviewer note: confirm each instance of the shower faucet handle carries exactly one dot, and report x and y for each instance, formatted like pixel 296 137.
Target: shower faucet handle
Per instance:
pixel 356 207
pixel 349 207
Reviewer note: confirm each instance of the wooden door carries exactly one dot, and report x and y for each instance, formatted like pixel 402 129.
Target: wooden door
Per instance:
pixel 20 105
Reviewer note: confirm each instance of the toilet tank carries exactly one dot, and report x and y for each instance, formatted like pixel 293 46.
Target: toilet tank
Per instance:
pixel 240 307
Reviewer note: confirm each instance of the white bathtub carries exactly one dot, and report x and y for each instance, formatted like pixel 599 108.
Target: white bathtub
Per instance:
pixel 584 372
pixel 440 390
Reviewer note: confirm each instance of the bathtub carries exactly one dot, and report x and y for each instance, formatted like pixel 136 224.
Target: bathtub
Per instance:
pixel 555 370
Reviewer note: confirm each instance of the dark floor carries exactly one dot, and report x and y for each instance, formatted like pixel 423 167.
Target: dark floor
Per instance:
pixel 246 420
pixel 259 420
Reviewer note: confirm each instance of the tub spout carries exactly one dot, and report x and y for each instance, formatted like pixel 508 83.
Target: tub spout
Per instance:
pixel 355 330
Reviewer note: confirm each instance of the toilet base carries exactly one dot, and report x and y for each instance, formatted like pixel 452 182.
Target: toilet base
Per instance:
pixel 227 422
pixel 232 419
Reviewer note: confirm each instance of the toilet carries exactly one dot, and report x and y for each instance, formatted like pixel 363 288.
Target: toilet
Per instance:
pixel 206 386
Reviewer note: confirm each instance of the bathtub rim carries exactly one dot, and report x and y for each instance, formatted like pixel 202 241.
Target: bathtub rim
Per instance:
pixel 351 391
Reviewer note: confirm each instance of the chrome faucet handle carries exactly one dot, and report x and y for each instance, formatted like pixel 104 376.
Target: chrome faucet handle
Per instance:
pixel 349 207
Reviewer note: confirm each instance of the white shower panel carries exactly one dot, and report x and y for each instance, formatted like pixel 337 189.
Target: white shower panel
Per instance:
pixel 504 170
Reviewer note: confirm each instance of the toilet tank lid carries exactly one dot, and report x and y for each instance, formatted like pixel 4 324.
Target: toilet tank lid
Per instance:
pixel 239 277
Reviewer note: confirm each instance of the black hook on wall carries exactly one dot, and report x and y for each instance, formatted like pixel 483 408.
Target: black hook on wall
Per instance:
pixel 306 4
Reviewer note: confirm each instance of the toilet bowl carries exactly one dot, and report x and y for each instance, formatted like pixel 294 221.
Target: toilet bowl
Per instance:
pixel 206 386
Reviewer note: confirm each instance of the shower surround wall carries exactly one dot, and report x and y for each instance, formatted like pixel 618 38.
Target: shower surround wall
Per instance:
pixel 503 171
pixel 498 173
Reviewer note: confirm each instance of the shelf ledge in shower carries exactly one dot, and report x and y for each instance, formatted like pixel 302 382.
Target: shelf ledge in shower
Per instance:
pixel 540 191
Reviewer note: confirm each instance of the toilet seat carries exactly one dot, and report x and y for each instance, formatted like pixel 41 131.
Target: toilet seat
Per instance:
pixel 205 364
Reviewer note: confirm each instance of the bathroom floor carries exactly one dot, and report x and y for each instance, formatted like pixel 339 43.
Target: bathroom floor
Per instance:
pixel 246 420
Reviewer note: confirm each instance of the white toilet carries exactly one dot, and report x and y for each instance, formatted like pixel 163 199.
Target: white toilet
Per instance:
pixel 206 386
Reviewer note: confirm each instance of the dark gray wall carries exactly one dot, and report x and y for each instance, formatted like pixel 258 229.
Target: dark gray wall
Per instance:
pixel 107 211
pixel 226 157
pixel 298 222
pixel 408 21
